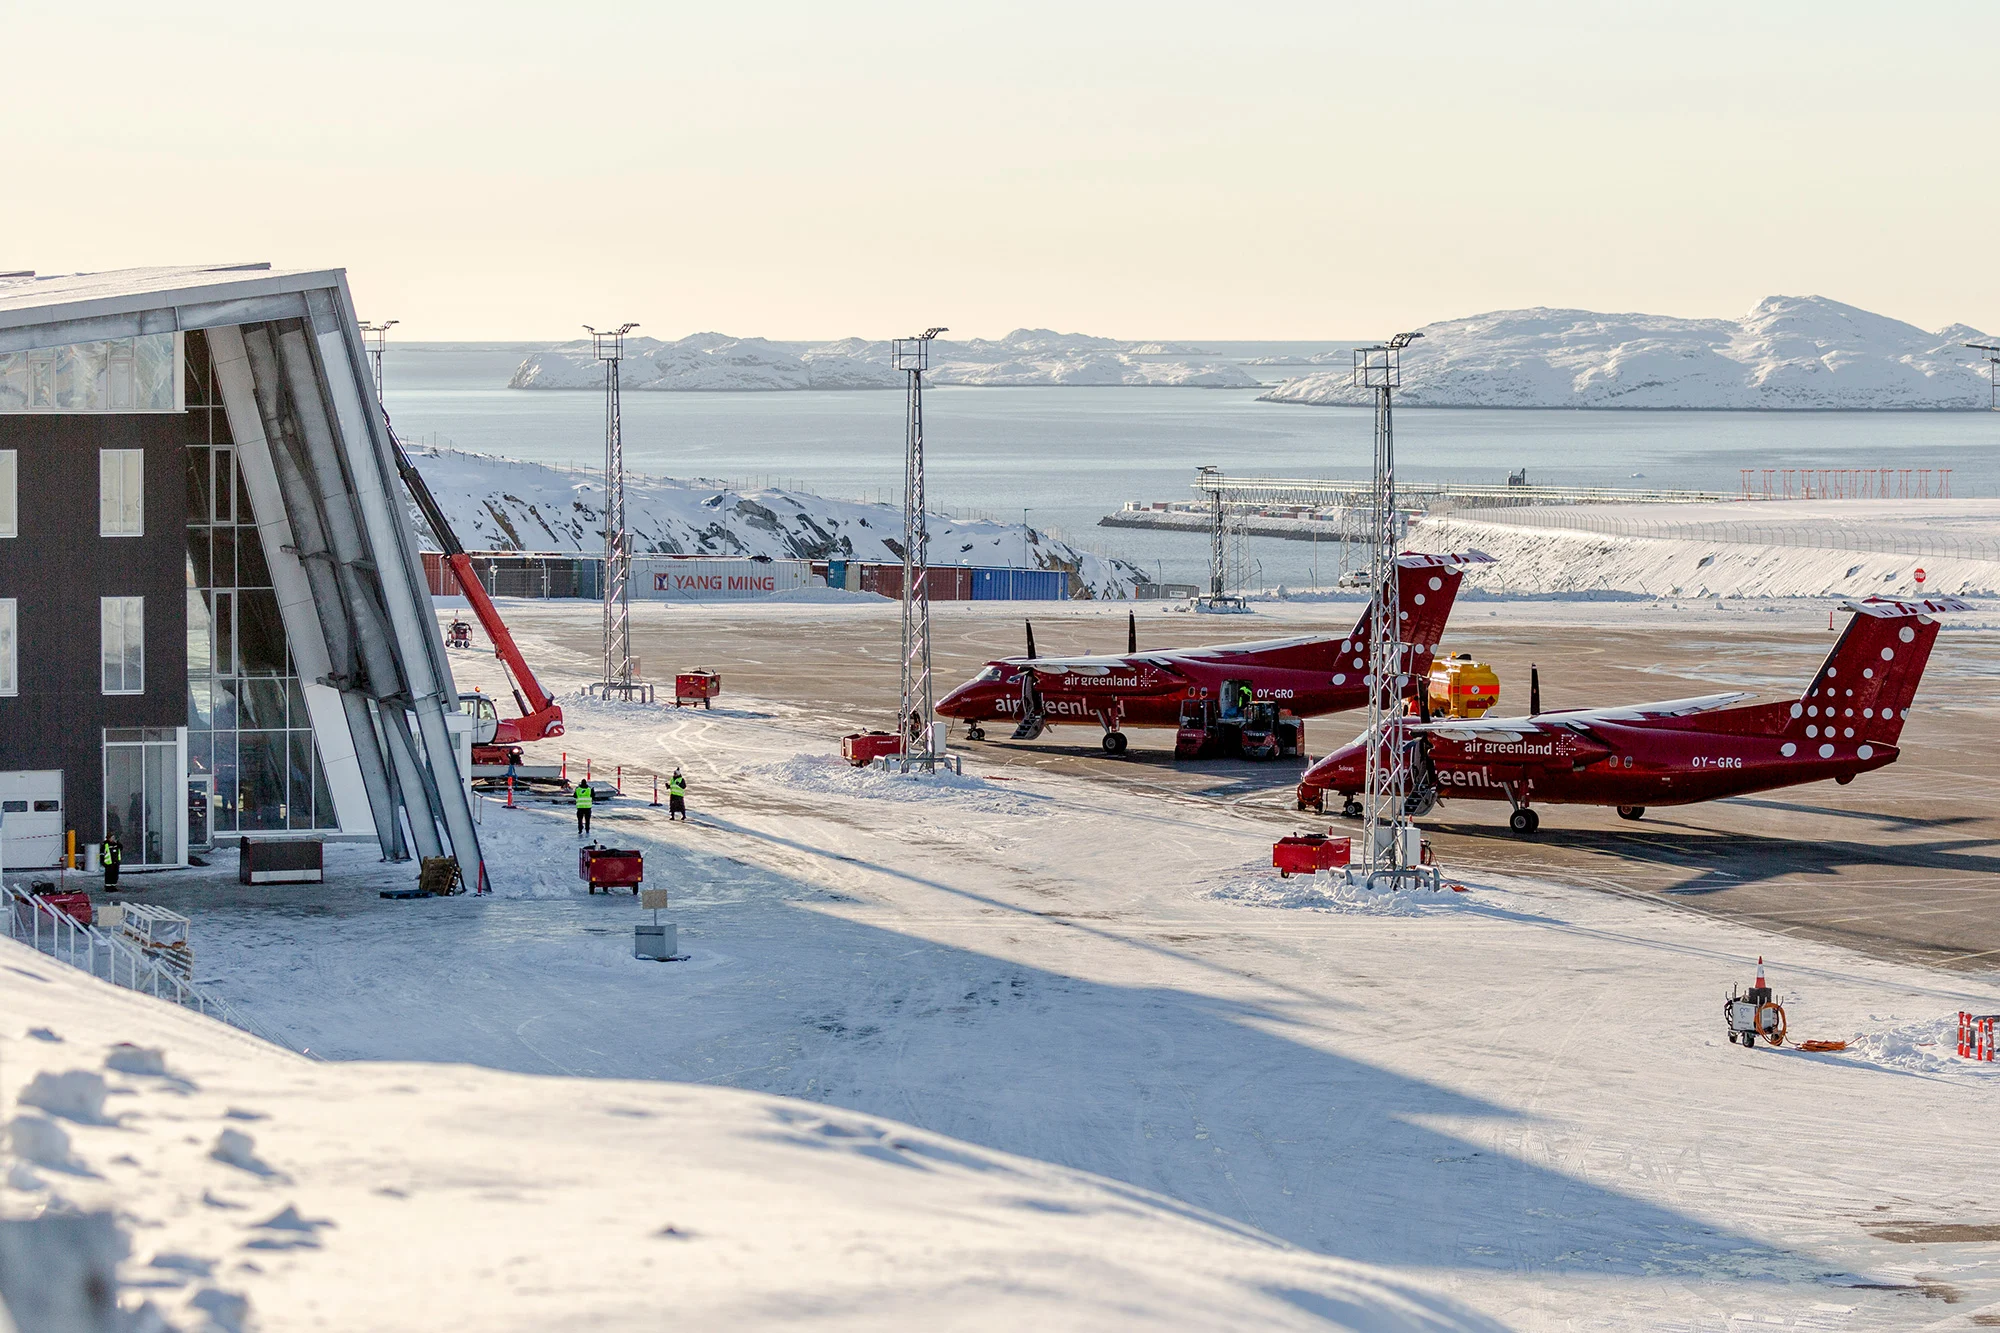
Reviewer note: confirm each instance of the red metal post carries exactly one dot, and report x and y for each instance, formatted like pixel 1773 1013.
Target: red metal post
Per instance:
pixel 656 789
pixel 619 785
pixel 510 791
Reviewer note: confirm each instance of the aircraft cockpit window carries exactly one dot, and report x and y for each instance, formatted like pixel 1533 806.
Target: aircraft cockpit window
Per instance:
pixel 990 673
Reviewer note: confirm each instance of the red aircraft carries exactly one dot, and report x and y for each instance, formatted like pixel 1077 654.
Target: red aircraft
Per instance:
pixel 1671 753
pixel 1247 697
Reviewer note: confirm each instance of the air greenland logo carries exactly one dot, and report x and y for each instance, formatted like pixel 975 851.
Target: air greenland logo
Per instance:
pixel 715 583
pixel 1524 749
pixel 1100 683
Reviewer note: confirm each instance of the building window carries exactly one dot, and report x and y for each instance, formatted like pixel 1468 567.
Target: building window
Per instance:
pixel 121 492
pixel 124 625
pixel 145 793
pixel 139 374
pixel 9 657
pixel 9 486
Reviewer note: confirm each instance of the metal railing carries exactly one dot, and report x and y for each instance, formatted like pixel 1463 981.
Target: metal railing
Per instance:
pixel 1311 491
pixel 1814 536
pixel 48 930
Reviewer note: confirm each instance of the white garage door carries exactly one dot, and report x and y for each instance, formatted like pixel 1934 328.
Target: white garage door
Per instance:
pixel 31 819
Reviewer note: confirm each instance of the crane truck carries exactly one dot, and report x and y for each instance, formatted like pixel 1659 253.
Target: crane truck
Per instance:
pixel 496 740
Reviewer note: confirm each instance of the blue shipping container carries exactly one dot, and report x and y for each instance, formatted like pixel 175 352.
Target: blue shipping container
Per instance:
pixel 1020 585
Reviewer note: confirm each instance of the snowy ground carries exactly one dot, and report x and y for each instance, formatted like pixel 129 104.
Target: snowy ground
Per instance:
pixel 1517 1099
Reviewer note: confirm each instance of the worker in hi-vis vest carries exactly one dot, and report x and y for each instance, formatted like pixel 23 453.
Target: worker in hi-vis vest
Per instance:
pixel 677 796
pixel 111 855
pixel 584 796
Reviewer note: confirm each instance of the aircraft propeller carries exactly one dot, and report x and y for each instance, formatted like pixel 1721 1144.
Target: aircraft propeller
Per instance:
pixel 1131 632
pixel 1031 639
pixel 1534 689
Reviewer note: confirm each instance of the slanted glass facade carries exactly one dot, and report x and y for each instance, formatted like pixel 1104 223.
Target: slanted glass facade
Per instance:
pixel 249 736
pixel 113 375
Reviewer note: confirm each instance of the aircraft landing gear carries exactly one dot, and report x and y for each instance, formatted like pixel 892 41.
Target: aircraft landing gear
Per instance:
pixel 1631 812
pixel 1524 821
pixel 974 732
pixel 1114 742
pixel 1351 809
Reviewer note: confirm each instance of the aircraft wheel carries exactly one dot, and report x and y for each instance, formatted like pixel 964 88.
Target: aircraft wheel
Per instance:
pixel 975 732
pixel 1352 808
pixel 1524 822
pixel 1114 742
pixel 1631 812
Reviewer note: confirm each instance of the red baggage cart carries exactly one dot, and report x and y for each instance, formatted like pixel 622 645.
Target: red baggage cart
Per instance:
pixel 610 868
pixel 1308 853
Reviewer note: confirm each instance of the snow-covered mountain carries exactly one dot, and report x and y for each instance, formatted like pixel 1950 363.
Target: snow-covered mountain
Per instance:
pixel 504 504
pixel 715 361
pixel 1789 353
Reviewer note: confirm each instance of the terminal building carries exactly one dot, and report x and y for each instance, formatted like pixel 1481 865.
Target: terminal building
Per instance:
pixel 214 622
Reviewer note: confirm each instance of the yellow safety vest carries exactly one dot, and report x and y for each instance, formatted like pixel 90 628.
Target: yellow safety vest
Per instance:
pixel 583 795
pixel 677 787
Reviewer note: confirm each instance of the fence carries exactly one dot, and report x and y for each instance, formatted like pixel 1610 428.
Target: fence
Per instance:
pixel 43 928
pixel 513 574
pixel 1817 536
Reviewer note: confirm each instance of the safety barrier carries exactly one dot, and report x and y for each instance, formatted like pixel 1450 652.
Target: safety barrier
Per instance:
pixel 1814 536
pixel 47 930
pixel 1975 1035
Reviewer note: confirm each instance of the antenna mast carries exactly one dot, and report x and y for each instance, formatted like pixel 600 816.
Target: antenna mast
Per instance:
pixel 1992 376
pixel 1385 815
pixel 913 357
pixel 609 347
pixel 375 335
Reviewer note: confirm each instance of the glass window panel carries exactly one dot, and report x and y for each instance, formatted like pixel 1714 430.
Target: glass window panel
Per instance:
pixel 224 627
pixel 9 491
pixel 200 651
pixel 261 703
pixel 262 759
pixel 222 570
pixel 224 810
pixel 123 635
pixel 201 752
pixel 295 703
pixel 9 655
pixel 42 378
pixel 198 463
pixel 251 571
pixel 153 377
pixel 224 700
pixel 121 491
pixel 125 795
pixel 79 377
pixel 118 375
pixel 300 810
pixel 195 374
pixel 14 382
pixel 163 825
pixel 260 634
pixel 200 569
pixel 225 491
pixel 201 704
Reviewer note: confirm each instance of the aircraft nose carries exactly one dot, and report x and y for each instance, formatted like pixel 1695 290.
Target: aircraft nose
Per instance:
pixel 953 704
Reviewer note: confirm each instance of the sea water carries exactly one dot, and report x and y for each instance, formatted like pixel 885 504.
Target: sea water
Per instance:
pixel 1063 457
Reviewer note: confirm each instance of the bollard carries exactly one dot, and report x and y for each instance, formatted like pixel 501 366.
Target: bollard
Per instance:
pixel 586 771
pixel 618 782
pixel 510 791
pixel 565 766
pixel 656 789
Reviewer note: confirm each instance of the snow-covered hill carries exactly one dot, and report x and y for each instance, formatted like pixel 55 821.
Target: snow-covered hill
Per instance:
pixel 504 504
pixel 715 361
pixel 1797 353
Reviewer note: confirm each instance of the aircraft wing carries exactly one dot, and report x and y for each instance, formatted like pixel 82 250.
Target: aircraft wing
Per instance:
pixel 1703 703
pixel 1418 560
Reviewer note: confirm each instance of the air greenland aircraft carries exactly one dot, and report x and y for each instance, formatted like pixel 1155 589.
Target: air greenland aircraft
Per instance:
pixel 1302 677
pixel 1677 752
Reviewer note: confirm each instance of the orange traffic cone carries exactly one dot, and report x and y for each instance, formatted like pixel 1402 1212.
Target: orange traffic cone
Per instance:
pixel 1760 971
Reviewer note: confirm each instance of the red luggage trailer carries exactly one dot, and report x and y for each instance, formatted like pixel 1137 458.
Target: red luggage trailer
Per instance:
pixel 1309 853
pixel 865 747
pixel 696 687
pixel 74 904
pixel 606 868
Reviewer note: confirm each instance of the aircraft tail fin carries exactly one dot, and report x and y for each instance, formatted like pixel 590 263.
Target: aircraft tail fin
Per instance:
pixel 1863 691
pixel 1426 587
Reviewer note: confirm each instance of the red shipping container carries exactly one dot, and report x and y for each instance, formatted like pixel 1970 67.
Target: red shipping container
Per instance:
pixel 1306 853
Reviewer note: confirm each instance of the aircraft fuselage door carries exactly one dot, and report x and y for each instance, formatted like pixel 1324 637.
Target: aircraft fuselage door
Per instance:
pixel 31 819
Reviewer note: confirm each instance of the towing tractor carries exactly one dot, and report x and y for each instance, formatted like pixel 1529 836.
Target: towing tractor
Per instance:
pixel 1257 730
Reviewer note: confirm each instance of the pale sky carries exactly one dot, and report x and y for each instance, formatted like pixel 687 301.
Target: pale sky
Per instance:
pixel 1145 170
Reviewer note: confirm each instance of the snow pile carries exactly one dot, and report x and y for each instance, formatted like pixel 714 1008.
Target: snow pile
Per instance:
pixel 1821 549
pixel 1261 886
pixel 831 776
pixel 718 362
pixel 1787 353
pixel 504 504
pixel 1928 1047
pixel 248 1199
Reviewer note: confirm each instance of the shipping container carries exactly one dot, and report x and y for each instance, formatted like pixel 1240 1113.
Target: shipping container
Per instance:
pixel 514 574
pixel 1020 585
pixel 946 583
pixel 675 579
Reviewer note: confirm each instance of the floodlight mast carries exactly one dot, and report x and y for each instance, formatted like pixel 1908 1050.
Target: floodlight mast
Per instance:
pixel 609 347
pixel 1992 376
pixel 1217 573
pixel 1385 812
pixel 375 335
pixel 917 708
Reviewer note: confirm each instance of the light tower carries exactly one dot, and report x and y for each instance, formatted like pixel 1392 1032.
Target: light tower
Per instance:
pixel 1384 812
pixel 1992 376
pixel 1217 573
pixel 609 347
pixel 913 357
pixel 375 335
